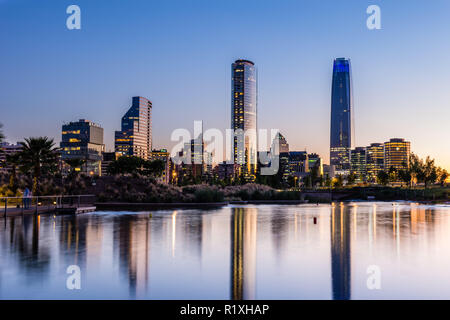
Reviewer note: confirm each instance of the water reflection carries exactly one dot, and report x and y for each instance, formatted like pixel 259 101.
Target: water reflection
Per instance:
pixel 340 252
pixel 242 252
pixel 132 236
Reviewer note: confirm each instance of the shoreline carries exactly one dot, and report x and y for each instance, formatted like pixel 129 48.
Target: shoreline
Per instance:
pixel 200 205
pixel 135 206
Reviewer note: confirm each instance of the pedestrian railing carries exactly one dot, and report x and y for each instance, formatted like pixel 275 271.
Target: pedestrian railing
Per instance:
pixel 55 202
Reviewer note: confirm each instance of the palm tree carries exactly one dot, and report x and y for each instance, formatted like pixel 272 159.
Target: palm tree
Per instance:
pixel 38 156
pixel 75 164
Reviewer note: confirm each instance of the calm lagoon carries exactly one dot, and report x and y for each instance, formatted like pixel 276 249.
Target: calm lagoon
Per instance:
pixel 235 252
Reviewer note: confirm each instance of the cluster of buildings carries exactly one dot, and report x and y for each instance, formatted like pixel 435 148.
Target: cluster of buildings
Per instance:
pixel 364 162
pixel 84 140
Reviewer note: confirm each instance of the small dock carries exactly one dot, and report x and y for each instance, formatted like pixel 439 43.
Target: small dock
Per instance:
pixel 57 205
pixel 74 210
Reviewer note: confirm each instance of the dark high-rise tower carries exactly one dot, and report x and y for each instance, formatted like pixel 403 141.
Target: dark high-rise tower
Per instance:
pixel 342 132
pixel 243 115
pixel 135 138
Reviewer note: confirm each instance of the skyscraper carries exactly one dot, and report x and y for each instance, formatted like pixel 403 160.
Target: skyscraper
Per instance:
pixel 342 130
pixel 243 116
pixel 135 138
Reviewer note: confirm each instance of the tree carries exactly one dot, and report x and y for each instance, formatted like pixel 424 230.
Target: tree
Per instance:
pixel 351 178
pixel 1 133
pixel 429 172
pixel 393 174
pixel 443 175
pixel 134 165
pixel 38 156
pixel 126 165
pixel 327 181
pixel 404 174
pixel 74 164
pixel 382 177
pixel 154 168
pixel 416 168
pixel 315 175
pixel 338 181
pixel 13 160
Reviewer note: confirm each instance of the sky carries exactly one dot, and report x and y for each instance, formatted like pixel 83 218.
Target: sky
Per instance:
pixel 178 54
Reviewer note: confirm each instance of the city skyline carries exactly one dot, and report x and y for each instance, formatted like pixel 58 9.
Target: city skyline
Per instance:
pixel 294 84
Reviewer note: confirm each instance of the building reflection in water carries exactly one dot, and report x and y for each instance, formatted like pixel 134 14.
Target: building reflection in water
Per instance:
pixel 279 222
pixel 72 238
pixel 132 241
pixel 20 238
pixel 115 250
pixel 340 252
pixel 243 253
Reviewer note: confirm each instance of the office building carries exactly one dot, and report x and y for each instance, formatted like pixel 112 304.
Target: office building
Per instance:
pixel 358 163
pixel 227 171
pixel 374 160
pixel 135 137
pixel 164 155
pixel 396 154
pixel 298 164
pixel 83 140
pixel 279 155
pixel 5 150
pixel 314 160
pixel 107 159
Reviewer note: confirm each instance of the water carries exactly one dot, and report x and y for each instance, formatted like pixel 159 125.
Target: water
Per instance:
pixel 237 252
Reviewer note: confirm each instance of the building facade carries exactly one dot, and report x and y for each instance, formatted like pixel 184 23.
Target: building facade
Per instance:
pixel 396 154
pixel 135 137
pixel 107 159
pixel 227 171
pixel 374 160
pixel 244 116
pixel 314 160
pixel 358 165
pixel 279 154
pixel 342 126
pixel 298 164
pixel 5 150
pixel 193 156
pixel 83 140
pixel 164 155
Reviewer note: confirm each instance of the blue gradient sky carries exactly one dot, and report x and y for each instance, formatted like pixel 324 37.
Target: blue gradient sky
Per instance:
pixel 178 54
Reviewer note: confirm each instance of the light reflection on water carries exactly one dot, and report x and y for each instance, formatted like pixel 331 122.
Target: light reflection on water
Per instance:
pixel 236 252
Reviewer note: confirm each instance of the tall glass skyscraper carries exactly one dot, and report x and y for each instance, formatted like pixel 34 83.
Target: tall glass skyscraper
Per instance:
pixel 243 116
pixel 135 138
pixel 342 127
